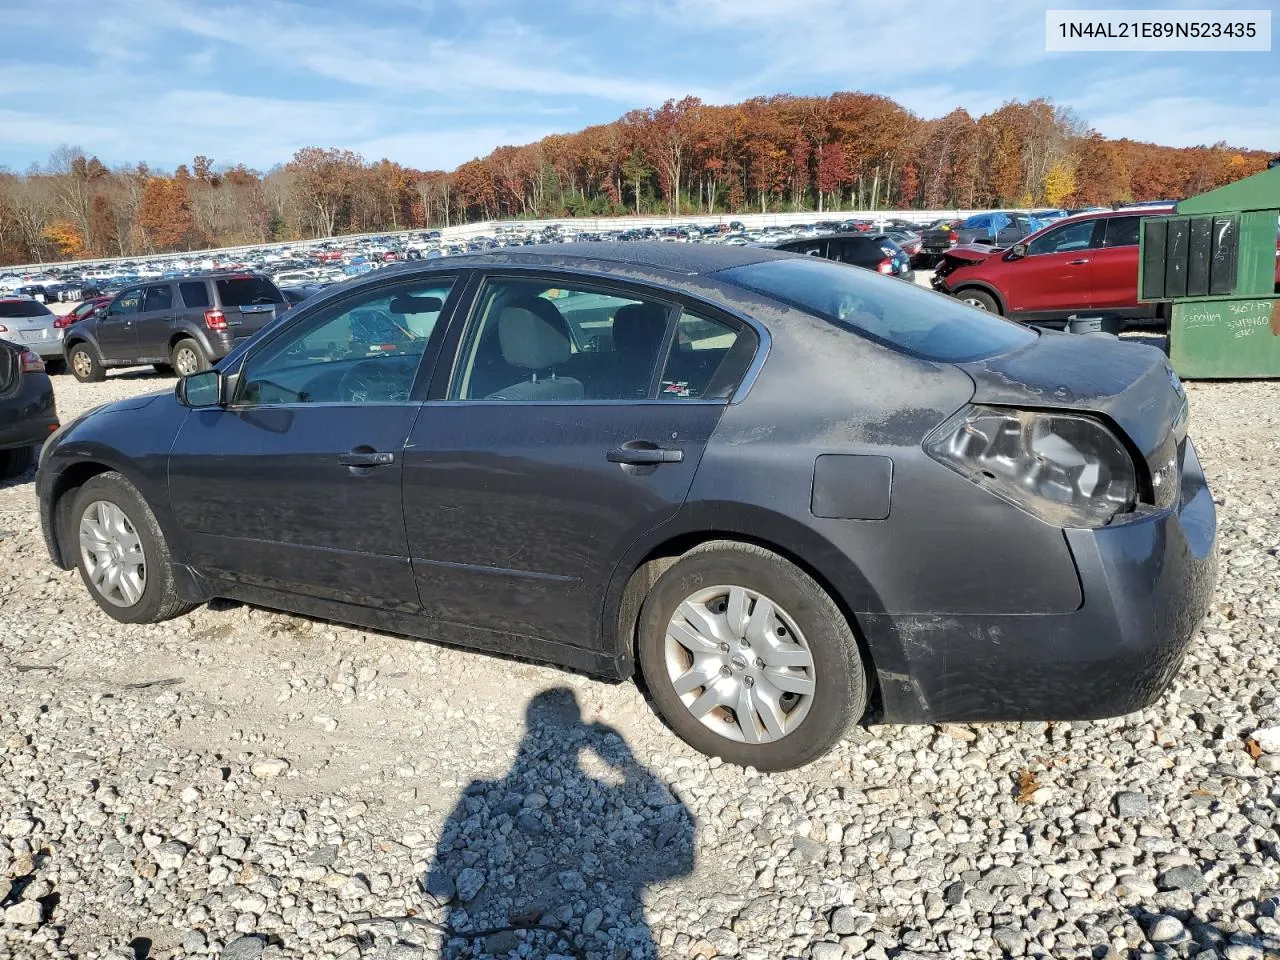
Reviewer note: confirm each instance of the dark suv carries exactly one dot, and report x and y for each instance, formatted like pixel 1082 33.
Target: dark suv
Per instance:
pixel 183 324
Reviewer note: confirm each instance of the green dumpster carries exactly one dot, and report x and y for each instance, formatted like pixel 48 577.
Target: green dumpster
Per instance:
pixel 1214 259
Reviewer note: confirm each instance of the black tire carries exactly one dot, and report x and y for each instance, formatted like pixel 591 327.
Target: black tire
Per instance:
pixel 159 599
pixel 164 369
pixel 178 358
pixel 980 300
pixel 839 698
pixel 85 365
pixel 55 365
pixel 16 462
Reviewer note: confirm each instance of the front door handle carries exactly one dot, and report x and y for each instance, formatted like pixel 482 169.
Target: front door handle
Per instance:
pixel 644 456
pixel 366 458
pixel 1076 263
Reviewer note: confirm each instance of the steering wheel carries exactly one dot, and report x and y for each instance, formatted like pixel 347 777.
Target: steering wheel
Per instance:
pixel 373 380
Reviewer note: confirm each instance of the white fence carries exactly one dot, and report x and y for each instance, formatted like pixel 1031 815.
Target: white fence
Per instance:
pixel 489 227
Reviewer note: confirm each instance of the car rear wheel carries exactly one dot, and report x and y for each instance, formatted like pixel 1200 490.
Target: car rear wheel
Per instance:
pixel 748 659
pixel 16 462
pixel 85 365
pixel 979 300
pixel 121 554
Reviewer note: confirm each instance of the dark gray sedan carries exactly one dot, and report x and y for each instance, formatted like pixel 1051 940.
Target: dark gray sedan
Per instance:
pixel 788 495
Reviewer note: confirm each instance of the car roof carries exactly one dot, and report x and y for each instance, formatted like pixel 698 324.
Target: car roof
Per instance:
pixel 691 259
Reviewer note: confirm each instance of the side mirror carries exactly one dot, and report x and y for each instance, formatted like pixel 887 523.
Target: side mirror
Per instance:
pixel 200 390
pixel 1018 251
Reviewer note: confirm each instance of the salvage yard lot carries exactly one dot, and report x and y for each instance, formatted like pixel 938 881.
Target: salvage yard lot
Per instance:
pixel 240 781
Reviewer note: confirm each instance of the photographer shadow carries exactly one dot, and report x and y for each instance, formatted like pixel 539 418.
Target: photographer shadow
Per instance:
pixel 557 854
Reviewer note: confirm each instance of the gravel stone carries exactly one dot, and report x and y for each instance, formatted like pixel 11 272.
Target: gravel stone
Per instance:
pixel 243 948
pixel 1130 803
pixel 1182 878
pixel 1165 929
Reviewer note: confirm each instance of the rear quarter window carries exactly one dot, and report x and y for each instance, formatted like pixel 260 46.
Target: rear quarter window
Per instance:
pixel 194 293
pixel 247 291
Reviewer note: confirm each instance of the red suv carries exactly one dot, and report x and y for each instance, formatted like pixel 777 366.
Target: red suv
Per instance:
pixel 1085 262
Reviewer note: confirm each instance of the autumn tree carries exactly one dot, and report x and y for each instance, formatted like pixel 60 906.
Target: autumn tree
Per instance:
pixel 165 214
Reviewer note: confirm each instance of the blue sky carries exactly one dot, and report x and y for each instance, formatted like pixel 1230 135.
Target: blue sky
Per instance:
pixel 432 83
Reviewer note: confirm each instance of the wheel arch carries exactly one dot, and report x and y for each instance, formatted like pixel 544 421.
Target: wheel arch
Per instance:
pixel 986 288
pixel 649 558
pixel 61 495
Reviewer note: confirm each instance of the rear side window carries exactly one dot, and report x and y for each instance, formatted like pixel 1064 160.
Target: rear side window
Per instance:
pixel 158 298
pixel 22 308
pixel 706 360
pixel 194 294
pixel 897 314
pixel 247 291
pixel 1122 231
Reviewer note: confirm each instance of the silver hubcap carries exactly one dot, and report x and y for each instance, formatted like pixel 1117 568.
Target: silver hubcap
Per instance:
pixel 740 664
pixel 186 361
pixel 112 554
pixel 83 365
pixel 974 303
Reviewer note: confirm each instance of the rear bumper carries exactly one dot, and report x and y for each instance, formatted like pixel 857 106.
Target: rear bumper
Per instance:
pixel 28 417
pixel 1146 585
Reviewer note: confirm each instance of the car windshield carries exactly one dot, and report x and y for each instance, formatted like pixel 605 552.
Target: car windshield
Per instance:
pixel 244 291
pixel 889 311
pixel 23 308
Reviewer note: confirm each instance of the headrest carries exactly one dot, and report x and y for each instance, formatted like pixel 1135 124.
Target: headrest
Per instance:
pixel 638 329
pixel 533 334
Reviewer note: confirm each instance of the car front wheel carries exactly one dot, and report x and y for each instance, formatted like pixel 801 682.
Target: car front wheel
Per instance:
pixel 121 553
pixel 747 658
pixel 85 365
pixel 188 358
pixel 979 300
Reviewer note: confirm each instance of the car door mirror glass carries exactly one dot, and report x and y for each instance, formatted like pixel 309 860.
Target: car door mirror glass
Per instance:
pixel 1018 252
pixel 202 389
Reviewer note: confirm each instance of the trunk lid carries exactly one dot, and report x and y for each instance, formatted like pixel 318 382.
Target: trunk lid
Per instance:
pixel 1130 384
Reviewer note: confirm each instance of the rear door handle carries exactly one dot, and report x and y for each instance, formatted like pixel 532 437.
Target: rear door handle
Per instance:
pixel 644 456
pixel 366 459
pixel 1076 263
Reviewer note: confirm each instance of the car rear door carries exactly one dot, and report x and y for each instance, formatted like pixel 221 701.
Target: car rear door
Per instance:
pixel 1056 275
pixel 528 476
pixel 295 485
pixel 114 327
pixel 153 323
pixel 1115 265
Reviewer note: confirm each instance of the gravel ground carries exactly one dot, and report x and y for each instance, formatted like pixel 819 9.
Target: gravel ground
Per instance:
pixel 239 783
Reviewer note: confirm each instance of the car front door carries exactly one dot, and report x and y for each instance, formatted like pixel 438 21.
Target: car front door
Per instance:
pixel 1055 277
pixel 153 323
pixel 115 331
pixel 1115 265
pixel 540 463
pixel 295 485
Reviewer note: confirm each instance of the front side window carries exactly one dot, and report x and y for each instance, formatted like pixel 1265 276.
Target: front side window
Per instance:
pixel 130 301
pixel 158 298
pixel 1063 239
pixel 365 349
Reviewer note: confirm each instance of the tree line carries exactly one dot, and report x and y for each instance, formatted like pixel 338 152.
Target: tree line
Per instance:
pixel 852 151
